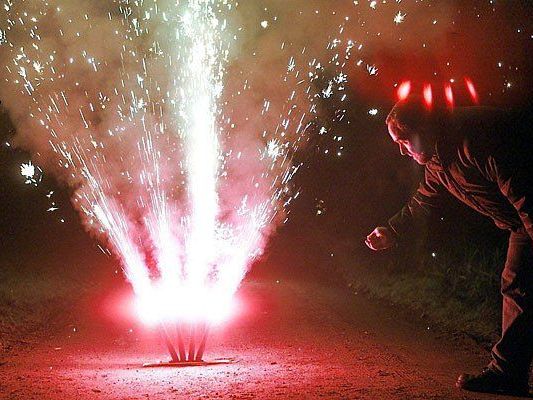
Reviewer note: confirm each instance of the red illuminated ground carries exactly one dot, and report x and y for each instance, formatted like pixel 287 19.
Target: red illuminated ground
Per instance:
pixel 294 339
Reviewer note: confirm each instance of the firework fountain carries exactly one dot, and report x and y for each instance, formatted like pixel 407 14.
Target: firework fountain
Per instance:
pixel 134 125
pixel 144 156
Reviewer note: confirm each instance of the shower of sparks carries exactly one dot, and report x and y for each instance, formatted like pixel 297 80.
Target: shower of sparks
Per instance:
pixel 157 165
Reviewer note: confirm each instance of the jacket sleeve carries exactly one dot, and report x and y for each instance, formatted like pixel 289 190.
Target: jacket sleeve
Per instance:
pixel 514 176
pixel 427 198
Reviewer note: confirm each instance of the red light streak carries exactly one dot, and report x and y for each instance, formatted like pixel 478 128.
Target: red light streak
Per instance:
pixel 472 90
pixel 428 95
pixel 449 94
pixel 403 90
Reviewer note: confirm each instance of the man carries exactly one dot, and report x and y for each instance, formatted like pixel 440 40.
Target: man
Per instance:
pixel 483 157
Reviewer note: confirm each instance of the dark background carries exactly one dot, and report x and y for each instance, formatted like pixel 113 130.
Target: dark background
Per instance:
pixel 356 191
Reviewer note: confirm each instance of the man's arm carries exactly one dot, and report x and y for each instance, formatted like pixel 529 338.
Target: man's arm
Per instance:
pixel 427 198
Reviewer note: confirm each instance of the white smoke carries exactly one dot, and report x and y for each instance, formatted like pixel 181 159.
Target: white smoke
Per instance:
pixel 121 102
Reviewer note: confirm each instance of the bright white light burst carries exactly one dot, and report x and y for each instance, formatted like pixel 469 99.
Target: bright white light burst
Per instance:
pixel 399 18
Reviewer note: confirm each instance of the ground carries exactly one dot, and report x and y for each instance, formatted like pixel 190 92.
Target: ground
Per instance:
pixel 292 337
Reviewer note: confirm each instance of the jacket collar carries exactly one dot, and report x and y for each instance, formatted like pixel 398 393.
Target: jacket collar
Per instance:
pixel 447 144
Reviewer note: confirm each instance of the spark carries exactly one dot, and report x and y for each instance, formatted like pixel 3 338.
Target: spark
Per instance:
pixel 274 149
pixel 38 67
pixel 399 18
pixel 27 170
pixel 22 72
pixel 327 92
pixel 372 70
pixel 292 65
pixel 373 111
pixel 341 78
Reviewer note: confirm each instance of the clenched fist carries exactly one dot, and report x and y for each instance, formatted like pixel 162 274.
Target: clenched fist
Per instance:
pixel 381 238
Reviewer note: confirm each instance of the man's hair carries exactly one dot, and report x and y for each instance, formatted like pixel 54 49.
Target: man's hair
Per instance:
pixel 412 113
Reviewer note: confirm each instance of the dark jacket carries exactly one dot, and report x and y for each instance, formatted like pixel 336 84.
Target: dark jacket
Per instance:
pixel 484 157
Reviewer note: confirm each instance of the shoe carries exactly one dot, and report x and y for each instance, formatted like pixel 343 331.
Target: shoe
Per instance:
pixel 491 381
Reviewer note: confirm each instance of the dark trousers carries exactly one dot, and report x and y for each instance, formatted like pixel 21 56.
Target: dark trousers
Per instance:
pixel 514 351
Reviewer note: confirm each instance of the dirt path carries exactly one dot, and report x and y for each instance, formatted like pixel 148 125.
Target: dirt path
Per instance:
pixel 290 339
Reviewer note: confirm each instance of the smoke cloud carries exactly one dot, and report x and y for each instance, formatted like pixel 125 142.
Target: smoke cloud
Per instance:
pixel 104 97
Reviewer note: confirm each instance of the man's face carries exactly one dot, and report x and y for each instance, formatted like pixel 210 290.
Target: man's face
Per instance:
pixel 411 145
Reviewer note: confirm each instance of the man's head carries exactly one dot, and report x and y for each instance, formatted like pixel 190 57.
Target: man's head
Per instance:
pixel 413 126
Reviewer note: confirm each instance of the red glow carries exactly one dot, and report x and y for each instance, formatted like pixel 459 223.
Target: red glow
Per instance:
pixel 428 95
pixel 403 90
pixel 472 90
pixel 449 94
pixel 165 304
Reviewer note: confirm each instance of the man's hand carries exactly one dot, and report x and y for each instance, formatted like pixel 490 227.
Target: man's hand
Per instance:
pixel 381 238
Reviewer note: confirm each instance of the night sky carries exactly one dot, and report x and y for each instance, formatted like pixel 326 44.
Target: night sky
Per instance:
pixel 351 178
